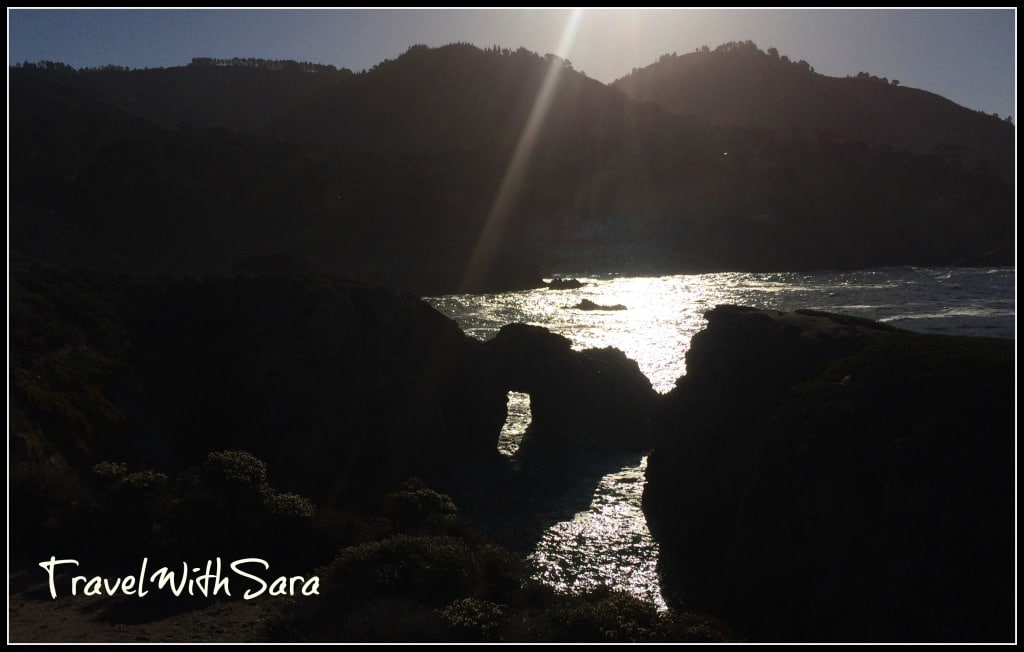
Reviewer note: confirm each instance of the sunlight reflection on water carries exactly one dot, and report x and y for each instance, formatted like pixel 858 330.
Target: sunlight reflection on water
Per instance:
pixel 609 543
pixel 516 423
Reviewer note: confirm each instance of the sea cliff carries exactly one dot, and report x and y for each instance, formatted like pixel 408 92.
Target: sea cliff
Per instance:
pixel 818 477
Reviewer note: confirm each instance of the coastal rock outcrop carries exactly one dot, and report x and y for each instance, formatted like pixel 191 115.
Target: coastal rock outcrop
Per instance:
pixel 597 399
pixel 345 388
pixel 587 304
pixel 818 477
pixel 559 283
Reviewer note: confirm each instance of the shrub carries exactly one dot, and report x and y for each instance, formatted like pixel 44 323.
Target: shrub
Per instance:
pixel 414 507
pixel 237 468
pixel 472 619
pixel 433 569
pixel 605 616
pixel 108 472
pixel 287 507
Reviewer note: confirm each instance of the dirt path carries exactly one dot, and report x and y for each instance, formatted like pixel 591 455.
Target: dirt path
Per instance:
pixel 35 617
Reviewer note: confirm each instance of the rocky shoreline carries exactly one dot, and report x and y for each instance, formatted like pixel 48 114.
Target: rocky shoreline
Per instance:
pixel 813 477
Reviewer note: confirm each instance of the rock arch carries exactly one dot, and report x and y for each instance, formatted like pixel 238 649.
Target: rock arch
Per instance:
pixel 597 399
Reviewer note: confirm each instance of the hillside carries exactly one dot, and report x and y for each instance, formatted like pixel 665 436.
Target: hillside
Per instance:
pixel 457 168
pixel 236 94
pixel 739 85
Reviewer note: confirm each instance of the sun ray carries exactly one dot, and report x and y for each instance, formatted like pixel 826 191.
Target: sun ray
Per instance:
pixel 494 226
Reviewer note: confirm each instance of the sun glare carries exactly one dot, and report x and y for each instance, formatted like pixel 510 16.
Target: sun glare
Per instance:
pixel 512 180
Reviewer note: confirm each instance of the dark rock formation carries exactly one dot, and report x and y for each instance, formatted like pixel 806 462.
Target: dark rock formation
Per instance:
pixel 564 284
pixel 825 478
pixel 343 388
pixel 596 399
pixel 340 384
pixel 587 304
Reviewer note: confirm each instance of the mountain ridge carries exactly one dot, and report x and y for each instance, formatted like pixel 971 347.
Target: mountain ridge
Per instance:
pixel 451 158
pixel 737 84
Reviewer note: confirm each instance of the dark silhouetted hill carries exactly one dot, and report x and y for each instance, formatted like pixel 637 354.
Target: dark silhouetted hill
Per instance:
pixel 457 168
pixel 739 85
pixel 237 94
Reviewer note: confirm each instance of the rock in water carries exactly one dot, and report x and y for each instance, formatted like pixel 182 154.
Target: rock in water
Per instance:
pixel 587 304
pixel 564 284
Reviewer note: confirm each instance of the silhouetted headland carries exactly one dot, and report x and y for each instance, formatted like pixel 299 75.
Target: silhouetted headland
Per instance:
pixel 818 477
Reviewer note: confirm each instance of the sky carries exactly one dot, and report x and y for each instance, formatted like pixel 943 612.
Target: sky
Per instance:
pixel 968 55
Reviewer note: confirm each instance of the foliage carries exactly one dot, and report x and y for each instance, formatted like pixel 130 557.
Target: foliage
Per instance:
pixel 474 620
pixel 237 468
pixel 414 506
pixel 438 586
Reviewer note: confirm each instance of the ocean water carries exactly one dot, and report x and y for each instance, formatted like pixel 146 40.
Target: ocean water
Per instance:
pixel 608 543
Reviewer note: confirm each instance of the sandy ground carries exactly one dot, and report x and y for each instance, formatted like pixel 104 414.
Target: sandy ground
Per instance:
pixel 34 617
